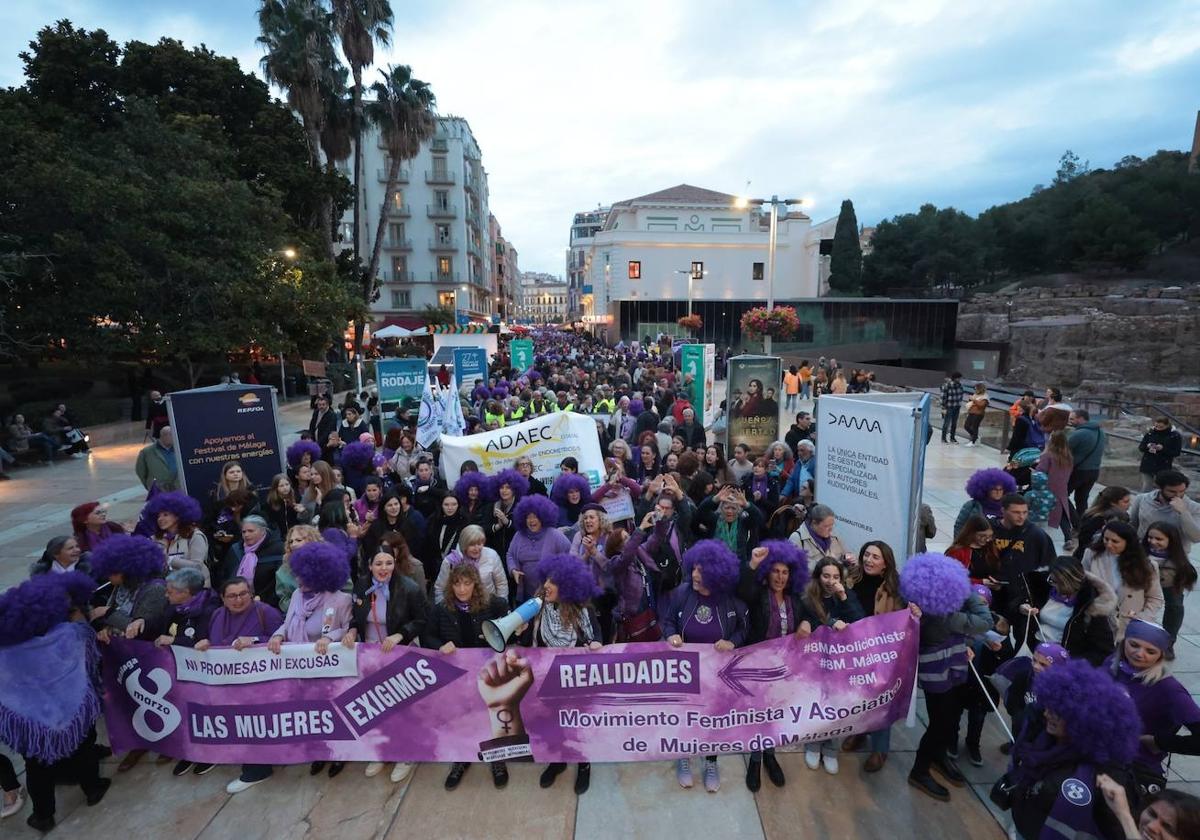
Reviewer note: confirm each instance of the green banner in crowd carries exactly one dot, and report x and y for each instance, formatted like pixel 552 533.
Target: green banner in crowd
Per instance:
pixel 402 381
pixel 522 353
pixel 696 360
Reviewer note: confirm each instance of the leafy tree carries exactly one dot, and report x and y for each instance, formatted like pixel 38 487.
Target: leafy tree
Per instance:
pixel 75 72
pixel 301 59
pixel 360 24
pixel 403 108
pixel 1069 168
pixel 845 264
pixel 435 315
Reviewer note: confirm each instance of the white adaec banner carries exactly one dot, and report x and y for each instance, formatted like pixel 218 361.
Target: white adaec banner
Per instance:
pixel 871 465
pixel 546 440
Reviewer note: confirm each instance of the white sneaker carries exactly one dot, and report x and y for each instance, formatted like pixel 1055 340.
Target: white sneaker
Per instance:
pixel 969 443
pixel 374 768
pixel 79 455
pixel 829 762
pixel 237 785
pixel 16 805
pixel 400 771
pixel 812 758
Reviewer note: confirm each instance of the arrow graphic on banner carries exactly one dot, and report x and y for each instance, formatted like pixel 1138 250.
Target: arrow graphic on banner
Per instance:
pixel 733 676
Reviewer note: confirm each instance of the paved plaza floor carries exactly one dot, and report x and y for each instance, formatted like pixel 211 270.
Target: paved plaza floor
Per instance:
pixel 632 800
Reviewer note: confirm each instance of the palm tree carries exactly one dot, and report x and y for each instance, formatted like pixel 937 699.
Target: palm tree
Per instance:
pixel 360 25
pixel 403 109
pixel 301 59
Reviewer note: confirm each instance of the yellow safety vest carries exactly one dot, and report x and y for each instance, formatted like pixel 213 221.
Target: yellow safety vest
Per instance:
pixel 516 414
pixel 493 419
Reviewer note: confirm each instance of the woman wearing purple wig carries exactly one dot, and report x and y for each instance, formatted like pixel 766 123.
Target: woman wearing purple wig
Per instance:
pixel 177 517
pixel 565 620
pixel 704 610
pixel 507 488
pixel 1089 726
pixel 319 612
pixel 985 488
pixel 137 606
pixel 536 538
pixel 950 613
pixel 771 585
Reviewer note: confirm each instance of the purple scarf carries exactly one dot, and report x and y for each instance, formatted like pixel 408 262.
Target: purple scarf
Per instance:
pixel 250 559
pixel 192 607
pixel 823 543
pixel 1065 600
pixel 991 508
pixel 48 698
pixel 300 610
pixel 758 484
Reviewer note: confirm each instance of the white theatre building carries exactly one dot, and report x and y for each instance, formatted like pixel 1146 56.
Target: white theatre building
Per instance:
pixel 651 246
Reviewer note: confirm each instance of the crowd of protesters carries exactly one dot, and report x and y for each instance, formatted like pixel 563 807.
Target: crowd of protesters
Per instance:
pixel 364 540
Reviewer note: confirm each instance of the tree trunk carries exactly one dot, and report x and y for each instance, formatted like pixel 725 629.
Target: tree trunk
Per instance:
pixel 325 216
pixel 356 128
pixel 370 282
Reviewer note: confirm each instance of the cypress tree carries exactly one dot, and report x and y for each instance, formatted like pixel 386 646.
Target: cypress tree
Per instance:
pixel 845 264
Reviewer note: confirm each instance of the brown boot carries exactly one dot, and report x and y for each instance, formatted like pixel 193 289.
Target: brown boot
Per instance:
pixel 130 760
pixel 875 762
pixel 854 743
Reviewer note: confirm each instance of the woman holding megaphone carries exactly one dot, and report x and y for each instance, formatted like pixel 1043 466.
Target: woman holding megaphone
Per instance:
pixel 457 622
pixel 566 619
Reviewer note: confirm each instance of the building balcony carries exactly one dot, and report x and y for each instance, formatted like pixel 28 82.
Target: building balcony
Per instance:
pixel 475 218
pixel 402 211
pixel 389 276
pixel 401 176
pixel 437 211
pixel 397 244
pixel 439 144
pixel 470 182
pixel 435 177
pixel 474 248
pixel 448 277
pixel 440 244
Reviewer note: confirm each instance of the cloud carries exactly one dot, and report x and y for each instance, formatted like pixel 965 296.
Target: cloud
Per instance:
pixel 891 105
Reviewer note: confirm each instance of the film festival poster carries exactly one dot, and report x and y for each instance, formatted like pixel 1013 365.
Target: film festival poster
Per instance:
pixel 752 403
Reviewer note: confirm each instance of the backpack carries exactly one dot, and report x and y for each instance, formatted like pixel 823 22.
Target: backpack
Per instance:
pixel 1041 500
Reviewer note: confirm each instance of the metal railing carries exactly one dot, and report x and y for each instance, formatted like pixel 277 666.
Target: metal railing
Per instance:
pixel 438 211
pixel 397 244
pixel 401 177
pixel 437 243
pixel 390 276
pixel 401 211
pixel 439 277
pixel 437 177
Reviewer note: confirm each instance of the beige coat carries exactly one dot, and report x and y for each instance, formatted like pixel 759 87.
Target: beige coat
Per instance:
pixel 1146 604
pixel 804 538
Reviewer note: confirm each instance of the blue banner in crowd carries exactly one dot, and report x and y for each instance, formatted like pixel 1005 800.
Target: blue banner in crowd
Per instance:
pixel 225 423
pixel 470 363
pixel 402 381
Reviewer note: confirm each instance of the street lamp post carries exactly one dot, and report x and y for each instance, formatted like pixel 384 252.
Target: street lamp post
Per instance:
pixel 772 239
pixel 691 275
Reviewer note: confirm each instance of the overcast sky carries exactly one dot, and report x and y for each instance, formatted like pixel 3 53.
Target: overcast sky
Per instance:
pixel 889 104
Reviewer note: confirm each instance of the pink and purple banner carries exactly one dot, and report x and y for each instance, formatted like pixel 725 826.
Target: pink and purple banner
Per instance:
pixel 622 703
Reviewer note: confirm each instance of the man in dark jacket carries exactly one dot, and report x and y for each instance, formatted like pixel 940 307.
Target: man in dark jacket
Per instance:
pixel 1087 451
pixel 1159 447
pixel 802 429
pixel 324 422
pixel 1026 553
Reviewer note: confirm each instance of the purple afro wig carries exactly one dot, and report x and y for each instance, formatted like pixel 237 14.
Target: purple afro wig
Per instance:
pixel 786 552
pixel 357 456
pixel 718 565
pixel 574 579
pixel 181 504
pixel 342 540
pixel 321 567
pixel 1101 720
pixel 40 604
pixel 541 507
pixel 295 452
pixel 567 482
pixel 981 481
pixel 636 407
pixel 378 459
pixel 518 483
pixel 136 558
pixel 938 584
pixel 472 479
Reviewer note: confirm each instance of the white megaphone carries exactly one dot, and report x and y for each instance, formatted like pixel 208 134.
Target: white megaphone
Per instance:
pixel 497 633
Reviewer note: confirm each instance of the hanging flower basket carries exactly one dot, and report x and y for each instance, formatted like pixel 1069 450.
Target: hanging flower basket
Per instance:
pixel 782 322
pixel 691 322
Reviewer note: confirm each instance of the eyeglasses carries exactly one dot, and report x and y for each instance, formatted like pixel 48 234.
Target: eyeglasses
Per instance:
pixel 235 596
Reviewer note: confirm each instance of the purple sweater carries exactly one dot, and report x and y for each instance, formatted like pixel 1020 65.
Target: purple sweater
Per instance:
pixel 260 621
pixel 525 553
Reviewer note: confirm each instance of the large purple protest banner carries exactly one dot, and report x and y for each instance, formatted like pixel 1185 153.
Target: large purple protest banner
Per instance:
pixel 621 703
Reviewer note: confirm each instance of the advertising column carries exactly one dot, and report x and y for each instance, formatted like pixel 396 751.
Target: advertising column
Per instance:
pixel 753 404
pixel 691 363
pixel 521 350
pixel 225 423
pixel 871 465
pixel 402 382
